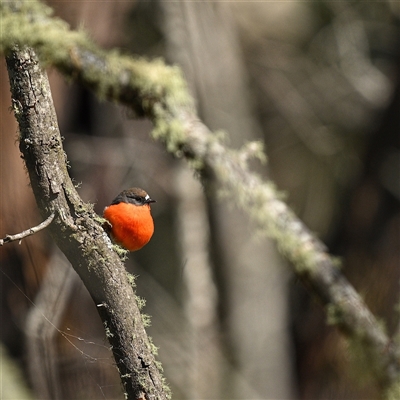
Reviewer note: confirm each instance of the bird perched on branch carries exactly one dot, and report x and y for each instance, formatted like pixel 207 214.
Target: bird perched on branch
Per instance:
pixel 130 219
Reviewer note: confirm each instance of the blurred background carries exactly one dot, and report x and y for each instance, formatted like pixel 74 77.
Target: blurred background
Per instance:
pixel 318 82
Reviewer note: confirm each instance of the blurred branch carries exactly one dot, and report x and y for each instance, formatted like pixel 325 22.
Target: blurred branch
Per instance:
pixel 42 325
pixel 28 232
pixel 159 92
pixel 76 231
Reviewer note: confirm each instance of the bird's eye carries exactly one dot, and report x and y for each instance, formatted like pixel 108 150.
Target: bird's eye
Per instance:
pixel 135 199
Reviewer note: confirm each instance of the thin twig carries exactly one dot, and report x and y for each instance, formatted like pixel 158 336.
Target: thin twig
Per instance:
pixel 28 232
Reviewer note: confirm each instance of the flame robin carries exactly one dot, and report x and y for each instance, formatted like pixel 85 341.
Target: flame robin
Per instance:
pixel 129 216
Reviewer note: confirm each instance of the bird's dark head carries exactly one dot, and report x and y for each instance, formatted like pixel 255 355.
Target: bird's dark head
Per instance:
pixel 135 196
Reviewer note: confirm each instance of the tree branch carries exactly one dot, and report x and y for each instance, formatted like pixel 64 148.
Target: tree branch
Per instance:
pixel 159 93
pixel 76 231
pixel 28 232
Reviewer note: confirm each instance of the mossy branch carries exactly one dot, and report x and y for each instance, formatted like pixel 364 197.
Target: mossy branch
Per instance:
pixel 159 92
pixel 75 229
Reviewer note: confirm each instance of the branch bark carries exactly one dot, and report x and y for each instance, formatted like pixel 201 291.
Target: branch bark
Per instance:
pixel 76 231
pixel 28 232
pixel 158 92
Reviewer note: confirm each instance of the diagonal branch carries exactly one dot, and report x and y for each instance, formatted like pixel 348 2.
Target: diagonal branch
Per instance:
pixel 159 92
pixel 76 231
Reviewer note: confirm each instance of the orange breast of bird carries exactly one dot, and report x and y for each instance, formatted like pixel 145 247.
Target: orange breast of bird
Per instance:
pixel 132 226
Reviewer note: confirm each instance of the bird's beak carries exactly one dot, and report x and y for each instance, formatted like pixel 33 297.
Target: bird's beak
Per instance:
pixel 150 201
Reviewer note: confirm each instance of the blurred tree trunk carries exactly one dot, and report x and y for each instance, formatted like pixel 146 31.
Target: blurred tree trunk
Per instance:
pixel 201 38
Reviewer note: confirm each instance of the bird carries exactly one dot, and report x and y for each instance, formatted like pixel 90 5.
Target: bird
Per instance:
pixel 130 220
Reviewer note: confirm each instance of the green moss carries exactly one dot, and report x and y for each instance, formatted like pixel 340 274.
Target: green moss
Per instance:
pixel 146 319
pixel 334 314
pixel 29 28
pixel 141 302
pixel 253 150
pixel 109 334
pixel 337 262
pixel 159 87
pixel 100 220
pixel 159 366
pixel 196 164
pixel 166 388
pixel 132 282
pixel 153 348
pixel 122 253
pixel 171 132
